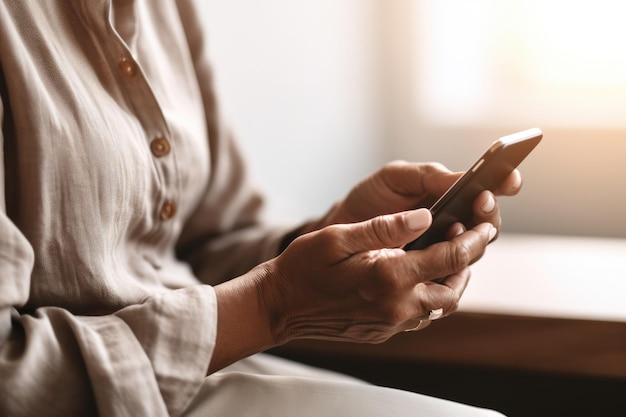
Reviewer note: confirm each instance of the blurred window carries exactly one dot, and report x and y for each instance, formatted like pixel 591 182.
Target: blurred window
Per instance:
pixel 542 62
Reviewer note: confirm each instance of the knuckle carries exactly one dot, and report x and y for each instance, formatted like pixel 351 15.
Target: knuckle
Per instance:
pixel 395 164
pixel 452 302
pixel 386 275
pixel 330 238
pixel 383 228
pixel 390 169
pixel 460 255
pixel 435 166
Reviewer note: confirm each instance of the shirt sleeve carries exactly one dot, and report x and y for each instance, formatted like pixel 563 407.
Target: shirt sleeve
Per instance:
pixel 144 360
pixel 226 236
pixel 147 359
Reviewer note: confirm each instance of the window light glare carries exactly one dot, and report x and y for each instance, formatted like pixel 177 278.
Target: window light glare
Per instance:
pixel 543 62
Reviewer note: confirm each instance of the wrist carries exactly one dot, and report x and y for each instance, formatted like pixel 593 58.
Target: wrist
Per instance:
pixel 272 302
pixel 244 323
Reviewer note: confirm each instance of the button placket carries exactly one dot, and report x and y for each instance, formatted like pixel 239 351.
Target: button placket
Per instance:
pixel 159 146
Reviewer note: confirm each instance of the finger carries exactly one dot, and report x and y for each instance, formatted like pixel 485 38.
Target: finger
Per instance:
pixel 456 229
pixel 457 282
pixel 451 257
pixel 437 179
pixel 511 185
pixel 418 180
pixel 387 231
pixel 487 210
pixel 434 300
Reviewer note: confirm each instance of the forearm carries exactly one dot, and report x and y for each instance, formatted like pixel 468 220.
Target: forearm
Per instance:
pixel 243 324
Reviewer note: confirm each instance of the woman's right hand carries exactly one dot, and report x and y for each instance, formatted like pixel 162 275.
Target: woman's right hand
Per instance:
pixel 353 282
pixel 346 282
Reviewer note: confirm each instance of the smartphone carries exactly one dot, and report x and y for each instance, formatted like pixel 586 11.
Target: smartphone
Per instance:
pixel 487 173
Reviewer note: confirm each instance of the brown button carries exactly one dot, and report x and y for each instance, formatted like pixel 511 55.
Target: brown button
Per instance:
pixel 160 147
pixel 168 210
pixel 127 67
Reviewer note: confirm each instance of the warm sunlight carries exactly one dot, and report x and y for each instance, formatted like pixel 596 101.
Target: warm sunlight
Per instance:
pixel 558 63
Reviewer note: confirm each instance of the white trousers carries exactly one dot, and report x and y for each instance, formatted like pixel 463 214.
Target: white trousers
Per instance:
pixel 266 386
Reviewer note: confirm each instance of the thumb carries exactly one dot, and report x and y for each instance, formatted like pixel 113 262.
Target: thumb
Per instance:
pixel 388 231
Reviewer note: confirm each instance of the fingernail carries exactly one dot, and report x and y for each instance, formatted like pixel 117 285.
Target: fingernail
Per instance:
pixel 489 205
pixel 492 233
pixel 418 219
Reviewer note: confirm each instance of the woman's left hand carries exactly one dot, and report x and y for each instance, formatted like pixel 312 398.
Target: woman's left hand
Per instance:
pixel 401 185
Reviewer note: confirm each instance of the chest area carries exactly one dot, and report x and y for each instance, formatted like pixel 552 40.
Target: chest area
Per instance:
pixel 102 112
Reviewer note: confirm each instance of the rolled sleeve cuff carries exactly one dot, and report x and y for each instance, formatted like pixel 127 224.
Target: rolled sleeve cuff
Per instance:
pixel 177 329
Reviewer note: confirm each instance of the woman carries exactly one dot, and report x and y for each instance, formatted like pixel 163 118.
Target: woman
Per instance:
pixel 134 267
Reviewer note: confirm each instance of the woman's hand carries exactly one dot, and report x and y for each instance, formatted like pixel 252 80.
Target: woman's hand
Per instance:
pixel 349 282
pixel 401 186
pixel 352 282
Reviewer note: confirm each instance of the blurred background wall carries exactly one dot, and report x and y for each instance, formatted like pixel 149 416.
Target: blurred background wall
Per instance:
pixel 323 93
pixel 300 83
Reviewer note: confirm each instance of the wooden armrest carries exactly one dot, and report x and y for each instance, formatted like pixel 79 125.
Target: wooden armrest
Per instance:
pixel 533 344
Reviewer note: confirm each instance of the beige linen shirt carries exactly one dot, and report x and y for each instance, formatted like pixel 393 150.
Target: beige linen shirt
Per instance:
pixel 122 196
